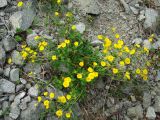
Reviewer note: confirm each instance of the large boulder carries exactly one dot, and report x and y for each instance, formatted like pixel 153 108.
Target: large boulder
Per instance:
pixel 151 20
pixel 9 43
pixel 3 3
pixel 6 86
pixel 89 6
pixel 23 19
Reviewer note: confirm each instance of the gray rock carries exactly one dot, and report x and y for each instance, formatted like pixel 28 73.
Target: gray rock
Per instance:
pixel 96 42
pixel 19 87
pixel 151 115
pixel 14 74
pixel 3 32
pixel 137 40
pixel 126 6
pixel 146 100
pixel 23 81
pixel 5 105
pixel 80 27
pixel 3 99
pixel 17 58
pixel 32 112
pixel 28 86
pixel 157 104
pixel 33 91
pixel 26 99
pixel 31 41
pixel 158 75
pixel 6 86
pixel 136 111
pixel 3 3
pixel 23 106
pixel 156 45
pixel 18 98
pixel 2 55
pixel 89 6
pixel 11 98
pixel 1 71
pixel 14 111
pixel 147 44
pixel 8 118
pixel 151 19
pixel 134 10
pixel 22 19
pixel 7 71
pixel 9 43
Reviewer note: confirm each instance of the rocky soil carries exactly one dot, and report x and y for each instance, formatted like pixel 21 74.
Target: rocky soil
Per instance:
pixel 134 20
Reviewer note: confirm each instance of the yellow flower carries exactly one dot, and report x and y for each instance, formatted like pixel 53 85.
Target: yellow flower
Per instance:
pixel 68 97
pixel 76 43
pixel 138 71
pixel 63 45
pixel 113 29
pixel 132 52
pixel 54 57
pixel 88 79
pixel 81 64
pixel 108 42
pixel 145 77
pixel 117 36
pixel 137 45
pixel 110 58
pixel 73 27
pixel 100 37
pixel 59 1
pixel 62 99
pixel 45 93
pixel 119 46
pixel 56 14
pixel 39 99
pixel 127 75
pixel 46 103
pixel 67 41
pixel 127 61
pixel 68 14
pixel 146 50
pixel 51 95
pixel 41 48
pixel 95 74
pixel 9 60
pixel 68 115
pixel 67 79
pixel 36 37
pixel 150 39
pixel 103 64
pixel 59 113
pixel 23 46
pixel 20 4
pixel 145 71
pixel 79 75
pixel 27 49
pixel 90 69
pixel 126 49
pixel 120 42
pixel 115 70
pixel 44 43
pixel 121 63
pixel 95 64
pixel 66 84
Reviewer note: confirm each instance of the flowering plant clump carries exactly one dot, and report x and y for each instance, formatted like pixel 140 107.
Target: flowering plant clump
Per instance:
pixel 75 62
